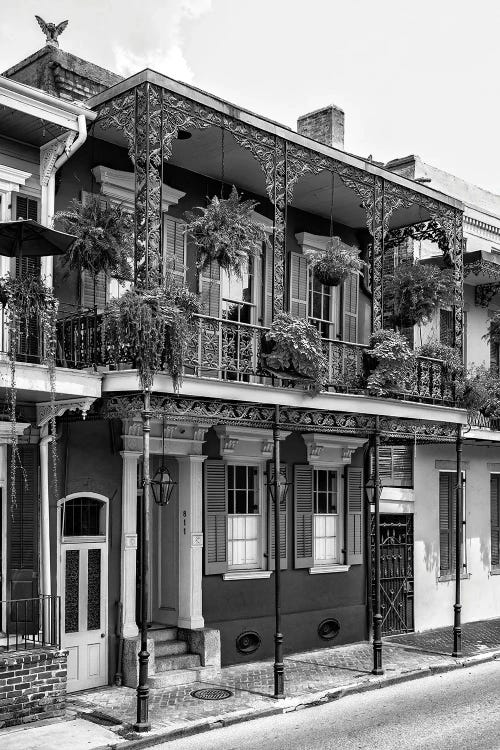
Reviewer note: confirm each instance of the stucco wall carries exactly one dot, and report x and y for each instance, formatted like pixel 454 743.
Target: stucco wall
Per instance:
pixel 481 591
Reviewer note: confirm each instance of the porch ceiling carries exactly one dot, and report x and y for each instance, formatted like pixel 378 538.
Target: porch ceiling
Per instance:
pixel 20 126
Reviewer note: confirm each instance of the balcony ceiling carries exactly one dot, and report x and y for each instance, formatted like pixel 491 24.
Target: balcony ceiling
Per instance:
pixel 23 127
pixel 202 154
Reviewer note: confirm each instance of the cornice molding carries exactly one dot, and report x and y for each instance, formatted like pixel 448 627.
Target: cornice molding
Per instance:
pixel 120 186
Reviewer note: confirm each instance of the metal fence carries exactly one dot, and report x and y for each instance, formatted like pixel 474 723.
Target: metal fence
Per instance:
pixel 31 623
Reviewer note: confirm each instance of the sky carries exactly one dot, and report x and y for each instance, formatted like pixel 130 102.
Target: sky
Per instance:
pixel 418 77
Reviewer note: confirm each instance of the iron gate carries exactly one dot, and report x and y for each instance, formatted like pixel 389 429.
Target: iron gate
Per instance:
pixel 396 572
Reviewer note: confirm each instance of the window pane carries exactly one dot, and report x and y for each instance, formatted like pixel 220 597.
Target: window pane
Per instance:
pixel 82 517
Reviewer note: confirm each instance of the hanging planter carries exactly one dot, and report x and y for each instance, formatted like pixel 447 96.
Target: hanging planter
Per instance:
pixel 151 329
pixel 334 264
pixel 292 350
pixel 104 235
pixel 389 362
pixel 225 231
pixel 26 299
pixel 416 291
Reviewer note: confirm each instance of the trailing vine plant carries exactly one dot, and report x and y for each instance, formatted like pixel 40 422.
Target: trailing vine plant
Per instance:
pixel 151 328
pixel 430 231
pixel 225 231
pixel 389 362
pixel 415 291
pixel 27 299
pixel 292 349
pixel 493 333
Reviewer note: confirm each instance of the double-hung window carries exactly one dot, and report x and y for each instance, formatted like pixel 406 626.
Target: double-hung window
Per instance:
pixel 327 526
pixel 244 521
pixel 322 306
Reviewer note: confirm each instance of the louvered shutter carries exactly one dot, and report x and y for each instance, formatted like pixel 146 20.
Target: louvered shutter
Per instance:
pixel 350 298
pixel 446 518
pixel 174 244
pixel 215 517
pixel 303 516
pixel 446 327
pixel 29 333
pixel 26 208
pixel 267 317
pixel 22 534
pixel 94 291
pixel 495 519
pixel 299 276
pixel 354 514
pixel 210 290
pixel 494 356
pixel 402 465
pixel 270 524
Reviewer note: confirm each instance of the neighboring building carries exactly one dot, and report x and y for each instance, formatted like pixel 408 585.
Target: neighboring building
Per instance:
pixel 434 483
pixel 212 557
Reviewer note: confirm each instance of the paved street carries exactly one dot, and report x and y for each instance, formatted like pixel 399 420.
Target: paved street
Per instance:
pixel 459 710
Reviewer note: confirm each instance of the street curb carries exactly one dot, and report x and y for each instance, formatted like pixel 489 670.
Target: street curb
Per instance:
pixel 297 704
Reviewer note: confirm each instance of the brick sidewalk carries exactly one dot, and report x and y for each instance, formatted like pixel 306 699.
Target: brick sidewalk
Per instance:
pixel 310 678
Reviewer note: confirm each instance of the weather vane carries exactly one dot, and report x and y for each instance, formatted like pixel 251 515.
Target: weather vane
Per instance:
pixel 51 31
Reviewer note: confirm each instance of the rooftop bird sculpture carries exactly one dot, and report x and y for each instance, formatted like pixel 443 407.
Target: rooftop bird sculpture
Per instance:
pixel 51 31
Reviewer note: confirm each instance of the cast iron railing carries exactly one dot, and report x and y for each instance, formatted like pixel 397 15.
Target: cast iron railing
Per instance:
pixel 31 623
pixel 230 350
pixel 476 419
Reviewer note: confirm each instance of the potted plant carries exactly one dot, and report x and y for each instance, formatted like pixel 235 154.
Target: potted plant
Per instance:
pixel 26 299
pixel 105 237
pixel 225 231
pixel 448 355
pixel 150 328
pixel 479 393
pixel 415 291
pixel 389 362
pixel 292 350
pixel 332 265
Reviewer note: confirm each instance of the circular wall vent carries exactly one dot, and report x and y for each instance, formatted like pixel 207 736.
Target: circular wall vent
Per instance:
pixel 248 642
pixel 329 629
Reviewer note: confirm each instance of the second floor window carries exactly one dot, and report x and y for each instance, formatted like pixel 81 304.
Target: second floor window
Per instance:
pixel 237 299
pixel 322 307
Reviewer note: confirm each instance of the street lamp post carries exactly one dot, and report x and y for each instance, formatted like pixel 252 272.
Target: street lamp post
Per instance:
pixel 457 624
pixel 373 490
pixel 278 488
pixel 143 724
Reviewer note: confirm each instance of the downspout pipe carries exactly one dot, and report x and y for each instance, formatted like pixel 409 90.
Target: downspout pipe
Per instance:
pixel 44 514
pixel 49 191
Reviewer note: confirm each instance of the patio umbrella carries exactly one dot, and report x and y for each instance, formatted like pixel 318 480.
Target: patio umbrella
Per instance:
pixel 26 238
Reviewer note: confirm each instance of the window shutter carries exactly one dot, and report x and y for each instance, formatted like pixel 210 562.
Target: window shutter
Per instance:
pixel 174 240
pixel 94 293
pixel 298 285
pixel 446 327
pixel 210 290
pixel 26 208
pixel 22 523
pixel 495 519
pixel 350 296
pixel 303 516
pixel 267 317
pixel 29 339
pixel 270 524
pixel 354 514
pixel 445 522
pixel 215 517
pixel 402 465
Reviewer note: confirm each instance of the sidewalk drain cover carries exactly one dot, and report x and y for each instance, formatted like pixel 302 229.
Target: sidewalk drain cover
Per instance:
pixel 211 694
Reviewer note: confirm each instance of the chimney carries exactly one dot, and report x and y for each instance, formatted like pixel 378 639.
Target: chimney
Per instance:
pixel 324 125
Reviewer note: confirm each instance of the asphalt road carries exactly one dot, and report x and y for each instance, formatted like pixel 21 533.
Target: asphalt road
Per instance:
pixel 459 710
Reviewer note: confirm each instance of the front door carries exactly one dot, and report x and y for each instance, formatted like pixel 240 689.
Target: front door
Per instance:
pixel 396 572
pixel 83 586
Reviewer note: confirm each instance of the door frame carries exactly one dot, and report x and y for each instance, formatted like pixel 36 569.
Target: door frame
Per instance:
pixel 84 540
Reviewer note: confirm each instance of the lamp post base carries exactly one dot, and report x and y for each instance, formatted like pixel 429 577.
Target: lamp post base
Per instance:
pixel 457 632
pixel 142 727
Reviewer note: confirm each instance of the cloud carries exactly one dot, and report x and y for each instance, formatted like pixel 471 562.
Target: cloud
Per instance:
pixel 168 59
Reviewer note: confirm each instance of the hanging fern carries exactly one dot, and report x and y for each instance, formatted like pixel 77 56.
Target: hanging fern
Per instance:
pixel 226 232
pixel 151 328
pixel 292 349
pixel 416 291
pixel 333 265
pixel 104 235
pixel 26 298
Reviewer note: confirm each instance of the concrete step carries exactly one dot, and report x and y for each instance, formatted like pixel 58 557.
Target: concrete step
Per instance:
pixel 170 648
pixel 172 678
pixel 172 663
pixel 162 634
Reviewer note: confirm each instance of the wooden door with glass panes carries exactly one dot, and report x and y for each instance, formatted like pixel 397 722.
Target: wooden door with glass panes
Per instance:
pixel 84 594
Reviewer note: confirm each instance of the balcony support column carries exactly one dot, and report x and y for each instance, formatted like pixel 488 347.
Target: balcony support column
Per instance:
pixel 377 210
pixel 148 159
pixel 457 624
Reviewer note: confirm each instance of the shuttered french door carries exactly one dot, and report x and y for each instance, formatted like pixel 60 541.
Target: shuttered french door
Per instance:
pixel 396 572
